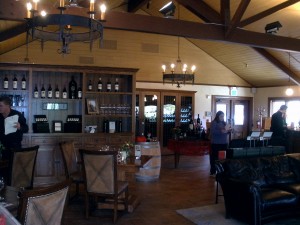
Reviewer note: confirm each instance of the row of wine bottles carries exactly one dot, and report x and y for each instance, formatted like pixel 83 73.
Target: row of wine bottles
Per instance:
pixel 100 87
pixel 15 83
pixel 72 93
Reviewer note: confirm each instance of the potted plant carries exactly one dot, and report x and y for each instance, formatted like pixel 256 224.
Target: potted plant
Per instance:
pixel 126 150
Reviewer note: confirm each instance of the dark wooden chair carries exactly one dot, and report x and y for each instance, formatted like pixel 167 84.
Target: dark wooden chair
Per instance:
pixel 72 167
pixel 100 173
pixel 43 205
pixel 23 166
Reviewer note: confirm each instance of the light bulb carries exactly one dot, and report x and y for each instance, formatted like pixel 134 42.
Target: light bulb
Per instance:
pixel 289 91
pixel 43 13
pixel 102 10
pixel 172 67
pixel 193 68
pixel 163 68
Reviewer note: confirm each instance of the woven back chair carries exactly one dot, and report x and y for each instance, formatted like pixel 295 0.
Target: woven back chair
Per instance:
pixel 100 173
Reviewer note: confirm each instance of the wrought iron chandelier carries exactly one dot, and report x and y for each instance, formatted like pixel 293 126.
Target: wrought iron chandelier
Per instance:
pixel 62 27
pixel 179 72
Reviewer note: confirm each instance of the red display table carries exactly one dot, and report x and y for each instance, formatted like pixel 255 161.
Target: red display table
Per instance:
pixel 188 147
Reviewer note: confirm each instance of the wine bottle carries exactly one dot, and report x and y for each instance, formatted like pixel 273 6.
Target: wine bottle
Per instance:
pixel 108 86
pixel 5 82
pixel 23 82
pixel 79 93
pixel 117 85
pixel 72 89
pixel 198 120
pixel 99 85
pixel 64 94
pixel 43 92
pixel 90 86
pixel 50 93
pixel 191 125
pixel 57 93
pixel 15 83
pixel 36 92
pixel 120 126
pixel 105 126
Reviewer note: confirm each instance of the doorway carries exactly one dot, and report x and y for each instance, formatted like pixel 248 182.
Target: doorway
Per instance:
pixel 238 113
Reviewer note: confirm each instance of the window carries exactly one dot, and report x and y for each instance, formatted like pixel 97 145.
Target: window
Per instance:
pixel 293 111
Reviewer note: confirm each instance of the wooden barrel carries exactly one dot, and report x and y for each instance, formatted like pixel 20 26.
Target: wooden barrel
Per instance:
pixel 151 170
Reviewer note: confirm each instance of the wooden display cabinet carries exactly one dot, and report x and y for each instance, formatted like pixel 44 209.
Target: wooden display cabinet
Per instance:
pixel 120 105
pixel 173 108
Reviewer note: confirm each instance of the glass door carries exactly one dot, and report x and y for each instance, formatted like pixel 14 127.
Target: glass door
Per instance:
pixel 186 112
pixel 147 114
pixel 169 116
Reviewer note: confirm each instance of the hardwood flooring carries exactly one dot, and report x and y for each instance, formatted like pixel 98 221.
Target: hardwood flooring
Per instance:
pixel 185 187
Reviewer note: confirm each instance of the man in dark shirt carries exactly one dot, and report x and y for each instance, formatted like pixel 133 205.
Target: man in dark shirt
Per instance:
pixel 278 123
pixel 14 139
pixel 11 140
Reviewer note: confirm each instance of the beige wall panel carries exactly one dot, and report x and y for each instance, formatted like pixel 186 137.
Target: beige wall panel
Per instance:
pixel 129 54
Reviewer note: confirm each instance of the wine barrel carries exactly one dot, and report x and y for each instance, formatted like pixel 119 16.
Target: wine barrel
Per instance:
pixel 150 170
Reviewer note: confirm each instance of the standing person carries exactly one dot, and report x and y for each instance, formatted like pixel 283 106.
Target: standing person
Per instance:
pixel 11 140
pixel 14 139
pixel 219 139
pixel 278 123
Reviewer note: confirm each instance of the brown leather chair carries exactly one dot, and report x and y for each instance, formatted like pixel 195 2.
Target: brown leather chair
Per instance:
pixel 43 206
pixel 23 166
pixel 100 173
pixel 72 167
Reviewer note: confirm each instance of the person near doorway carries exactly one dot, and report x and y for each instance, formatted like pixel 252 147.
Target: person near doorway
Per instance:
pixel 279 126
pixel 219 139
pixel 278 122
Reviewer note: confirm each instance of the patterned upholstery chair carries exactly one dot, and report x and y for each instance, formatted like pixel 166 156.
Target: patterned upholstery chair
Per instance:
pixel 72 167
pixel 43 206
pixel 23 166
pixel 100 173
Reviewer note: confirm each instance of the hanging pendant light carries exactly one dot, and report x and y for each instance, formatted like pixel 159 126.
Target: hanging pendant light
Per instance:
pixel 289 91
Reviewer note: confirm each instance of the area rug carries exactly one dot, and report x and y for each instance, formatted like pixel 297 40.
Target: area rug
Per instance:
pixel 215 215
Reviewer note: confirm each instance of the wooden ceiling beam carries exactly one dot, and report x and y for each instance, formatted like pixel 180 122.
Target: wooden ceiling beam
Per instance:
pixel 12 32
pixel 202 10
pixel 293 76
pixel 188 29
pixel 134 5
pixel 267 12
pixel 225 12
pixel 237 17
pixel 213 32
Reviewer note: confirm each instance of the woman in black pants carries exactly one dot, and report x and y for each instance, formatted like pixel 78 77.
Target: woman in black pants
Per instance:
pixel 219 139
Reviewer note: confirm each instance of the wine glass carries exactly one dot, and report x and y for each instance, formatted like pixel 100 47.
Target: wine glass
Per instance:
pixel 2 185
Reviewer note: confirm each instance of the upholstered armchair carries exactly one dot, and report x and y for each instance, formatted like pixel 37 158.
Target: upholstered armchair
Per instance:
pixel 100 173
pixel 72 167
pixel 43 206
pixel 23 166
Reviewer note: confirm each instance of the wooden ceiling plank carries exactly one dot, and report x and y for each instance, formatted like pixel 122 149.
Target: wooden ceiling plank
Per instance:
pixel 267 12
pixel 293 76
pixel 202 10
pixel 134 5
pixel 237 17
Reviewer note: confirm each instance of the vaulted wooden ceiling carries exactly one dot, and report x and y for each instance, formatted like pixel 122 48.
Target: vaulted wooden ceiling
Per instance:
pixel 230 31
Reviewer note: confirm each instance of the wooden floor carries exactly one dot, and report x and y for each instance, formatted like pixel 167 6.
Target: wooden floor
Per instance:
pixel 187 186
